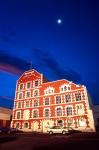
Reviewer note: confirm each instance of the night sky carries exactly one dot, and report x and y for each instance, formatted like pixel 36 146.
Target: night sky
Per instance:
pixel 29 32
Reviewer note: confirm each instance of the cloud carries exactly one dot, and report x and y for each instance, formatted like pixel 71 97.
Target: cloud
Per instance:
pixel 48 61
pixel 12 64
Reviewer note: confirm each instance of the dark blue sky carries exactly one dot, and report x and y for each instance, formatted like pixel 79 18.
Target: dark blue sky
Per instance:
pixel 29 32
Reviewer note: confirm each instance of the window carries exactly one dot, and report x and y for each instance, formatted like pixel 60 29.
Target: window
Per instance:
pixel 18 115
pixel 20 95
pixel 21 86
pixel 17 125
pixel 80 109
pixel 67 98
pixel 59 111
pixel 26 114
pixel 35 103
pixel 78 96
pixel 15 105
pixel 26 125
pixel 28 94
pixel 59 123
pixel 27 104
pixel 49 90
pixel 36 93
pixel 28 85
pixel 81 122
pixel 19 104
pixel 47 101
pixel 35 114
pixel 65 87
pixel 46 113
pixel 69 122
pixel 36 83
pixel 58 99
pixel 69 111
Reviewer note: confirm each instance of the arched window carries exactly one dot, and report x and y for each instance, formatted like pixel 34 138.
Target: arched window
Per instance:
pixel 79 109
pixel 60 123
pixel 69 111
pixel 25 125
pixel 35 114
pixel 59 111
pixel 18 115
pixel 46 112
pixel 35 103
pixel 36 93
pixel 65 87
pixel 49 90
pixel 20 96
pixel 17 125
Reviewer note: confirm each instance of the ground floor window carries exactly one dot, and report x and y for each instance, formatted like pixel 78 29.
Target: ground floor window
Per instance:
pixel 60 123
pixel 69 122
pixel 81 122
pixel 17 125
pixel 25 125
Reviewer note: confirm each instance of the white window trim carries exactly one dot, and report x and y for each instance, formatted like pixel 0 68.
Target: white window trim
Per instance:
pixel 66 110
pixel 55 99
pixel 19 87
pixel 18 104
pixel 70 96
pixel 24 123
pixel 25 103
pixel 47 89
pixel 62 86
pixel 44 112
pixel 56 110
pixel 34 92
pixel 33 112
pixel 19 94
pixel 26 95
pixel 44 101
pixel 30 84
pixel 16 114
pixel 38 83
pixel 82 108
pixel 38 102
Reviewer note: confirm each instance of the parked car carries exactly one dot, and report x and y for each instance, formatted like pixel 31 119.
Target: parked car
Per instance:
pixel 71 130
pixel 4 130
pixel 57 129
pixel 9 130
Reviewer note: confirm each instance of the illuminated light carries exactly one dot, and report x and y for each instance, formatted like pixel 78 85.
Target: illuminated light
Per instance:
pixel 59 21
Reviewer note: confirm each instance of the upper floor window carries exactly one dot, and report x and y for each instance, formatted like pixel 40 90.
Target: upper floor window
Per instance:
pixel 35 114
pixel 36 93
pixel 21 86
pixel 36 83
pixel 69 111
pixel 78 96
pixel 20 95
pixel 19 104
pixel 49 90
pixel 28 94
pixel 58 99
pixel 65 87
pixel 46 101
pixel 35 103
pixel 27 104
pixel 28 85
pixel 59 111
pixel 67 98
pixel 46 112
pixel 18 115
pixel 80 109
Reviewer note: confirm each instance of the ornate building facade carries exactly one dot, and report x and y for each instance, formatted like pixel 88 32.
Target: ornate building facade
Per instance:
pixel 40 104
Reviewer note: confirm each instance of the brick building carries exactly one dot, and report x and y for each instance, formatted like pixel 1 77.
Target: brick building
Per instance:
pixel 40 104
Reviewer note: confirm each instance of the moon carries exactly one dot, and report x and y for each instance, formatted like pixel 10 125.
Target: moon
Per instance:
pixel 59 21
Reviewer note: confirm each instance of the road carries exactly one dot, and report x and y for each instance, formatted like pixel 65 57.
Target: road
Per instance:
pixel 34 141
